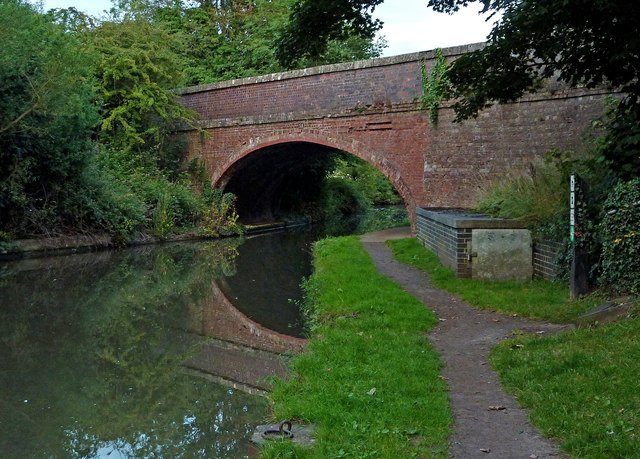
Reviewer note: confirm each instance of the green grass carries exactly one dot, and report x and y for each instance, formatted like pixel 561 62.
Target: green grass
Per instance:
pixel 537 299
pixel 581 387
pixel 370 379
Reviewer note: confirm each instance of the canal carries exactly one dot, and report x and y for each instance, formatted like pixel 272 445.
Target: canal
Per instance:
pixel 156 351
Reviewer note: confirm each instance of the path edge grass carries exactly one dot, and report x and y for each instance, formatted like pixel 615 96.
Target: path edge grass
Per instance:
pixel 537 299
pixel 580 386
pixel 370 380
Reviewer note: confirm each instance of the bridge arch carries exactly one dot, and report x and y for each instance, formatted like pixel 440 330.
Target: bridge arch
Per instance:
pixel 261 171
pixel 369 109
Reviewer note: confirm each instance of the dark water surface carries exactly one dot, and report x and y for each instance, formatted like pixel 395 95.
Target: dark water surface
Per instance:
pixel 113 354
pixel 93 350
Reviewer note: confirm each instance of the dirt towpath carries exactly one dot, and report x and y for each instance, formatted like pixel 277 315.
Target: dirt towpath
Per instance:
pixel 488 423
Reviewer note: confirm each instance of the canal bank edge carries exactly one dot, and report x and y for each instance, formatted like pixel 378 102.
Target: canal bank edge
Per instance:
pixel 66 245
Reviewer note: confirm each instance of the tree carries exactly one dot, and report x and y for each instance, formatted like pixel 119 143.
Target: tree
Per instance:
pixel 582 43
pixel 135 71
pixel 224 40
pixel 47 114
pixel 314 23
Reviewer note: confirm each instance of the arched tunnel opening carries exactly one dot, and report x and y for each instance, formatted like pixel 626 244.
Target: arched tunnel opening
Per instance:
pixel 287 180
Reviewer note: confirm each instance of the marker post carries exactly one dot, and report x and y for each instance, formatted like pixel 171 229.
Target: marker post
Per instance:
pixel 579 275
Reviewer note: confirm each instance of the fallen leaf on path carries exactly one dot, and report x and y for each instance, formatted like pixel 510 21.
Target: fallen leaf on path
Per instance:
pixel 485 450
pixel 497 408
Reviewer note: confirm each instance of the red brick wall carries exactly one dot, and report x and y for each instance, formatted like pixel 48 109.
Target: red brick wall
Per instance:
pixel 396 151
pixel 219 319
pixel 368 109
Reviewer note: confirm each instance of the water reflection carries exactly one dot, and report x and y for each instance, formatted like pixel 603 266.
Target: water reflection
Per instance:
pixel 93 351
pixel 102 354
pixel 266 285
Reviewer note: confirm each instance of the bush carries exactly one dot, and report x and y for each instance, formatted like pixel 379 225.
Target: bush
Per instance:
pixel 47 116
pixel 219 217
pixel 341 196
pixel 116 207
pixel 621 238
pixel 536 196
pixel 163 221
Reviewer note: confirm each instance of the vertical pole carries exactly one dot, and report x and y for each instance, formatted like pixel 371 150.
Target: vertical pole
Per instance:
pixel 579 275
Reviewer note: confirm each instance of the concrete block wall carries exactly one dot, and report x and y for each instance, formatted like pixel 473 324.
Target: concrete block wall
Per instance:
pixel 448 233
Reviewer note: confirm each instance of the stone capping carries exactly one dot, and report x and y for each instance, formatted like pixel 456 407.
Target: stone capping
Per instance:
pixel 332 68
pixel 462 218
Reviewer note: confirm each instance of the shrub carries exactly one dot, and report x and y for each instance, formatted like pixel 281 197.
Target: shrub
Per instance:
pixel 621 238
pixel 341 196
pixel 47 116
pixel 219 217
pixel 163 221
pixel 118 209
pixel 536 196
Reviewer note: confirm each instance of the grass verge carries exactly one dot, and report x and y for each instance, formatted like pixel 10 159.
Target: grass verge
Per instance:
pixel 580 387
pixel 370 379
pixel 537 299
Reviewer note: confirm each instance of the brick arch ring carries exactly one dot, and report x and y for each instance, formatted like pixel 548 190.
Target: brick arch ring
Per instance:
pixel 354 147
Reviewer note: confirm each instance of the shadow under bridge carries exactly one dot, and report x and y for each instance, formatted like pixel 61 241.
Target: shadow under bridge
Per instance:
pixel 277 180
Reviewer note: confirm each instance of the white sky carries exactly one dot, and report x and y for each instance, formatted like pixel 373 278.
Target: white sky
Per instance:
pixel 409 25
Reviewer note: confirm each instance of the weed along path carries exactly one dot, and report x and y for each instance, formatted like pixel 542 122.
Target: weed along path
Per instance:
pixel 487 421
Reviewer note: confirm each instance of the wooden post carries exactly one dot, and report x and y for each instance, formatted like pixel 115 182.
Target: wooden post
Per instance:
pixel 579 275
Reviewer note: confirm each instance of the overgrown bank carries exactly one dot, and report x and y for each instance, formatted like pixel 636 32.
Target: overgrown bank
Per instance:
pixel 366 333
pixel 606 213
pixel 88 116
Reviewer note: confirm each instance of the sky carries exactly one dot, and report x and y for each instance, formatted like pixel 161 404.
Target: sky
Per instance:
pixel 409 26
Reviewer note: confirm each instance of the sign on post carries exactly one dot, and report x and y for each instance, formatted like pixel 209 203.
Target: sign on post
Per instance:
pixel 572 208
pixel 579 276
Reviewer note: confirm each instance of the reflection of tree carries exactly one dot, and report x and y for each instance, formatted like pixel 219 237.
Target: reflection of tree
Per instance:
pixel 96 352
pixel 182 417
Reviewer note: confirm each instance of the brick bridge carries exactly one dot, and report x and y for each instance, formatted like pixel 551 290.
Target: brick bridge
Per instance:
pixel 264 129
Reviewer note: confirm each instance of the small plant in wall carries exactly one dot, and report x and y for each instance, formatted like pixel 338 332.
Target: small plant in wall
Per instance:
pixel 435 85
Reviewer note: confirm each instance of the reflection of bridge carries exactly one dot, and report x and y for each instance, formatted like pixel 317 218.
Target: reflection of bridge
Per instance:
pixel 241 353
pixel 264 129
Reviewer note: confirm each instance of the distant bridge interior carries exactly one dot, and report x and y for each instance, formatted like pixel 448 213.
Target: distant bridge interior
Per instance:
pixel 263 131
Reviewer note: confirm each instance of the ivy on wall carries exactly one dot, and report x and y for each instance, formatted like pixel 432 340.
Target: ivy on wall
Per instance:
pixel 435 86
pixel 621 238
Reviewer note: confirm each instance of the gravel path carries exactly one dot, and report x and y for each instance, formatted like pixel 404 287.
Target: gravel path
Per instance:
pixel 488 423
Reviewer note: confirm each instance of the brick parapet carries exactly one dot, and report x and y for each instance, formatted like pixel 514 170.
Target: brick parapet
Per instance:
pixel 448 233
pixel 447 240
pixel 451 52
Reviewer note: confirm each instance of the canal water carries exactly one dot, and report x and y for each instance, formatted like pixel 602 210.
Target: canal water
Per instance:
pixel 155 351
